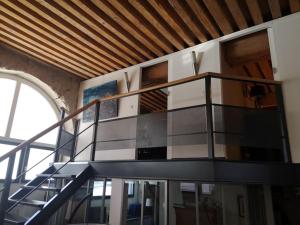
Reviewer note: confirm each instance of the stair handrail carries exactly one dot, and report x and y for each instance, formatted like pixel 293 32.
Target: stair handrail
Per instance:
pixel 52 127
pixel 140 91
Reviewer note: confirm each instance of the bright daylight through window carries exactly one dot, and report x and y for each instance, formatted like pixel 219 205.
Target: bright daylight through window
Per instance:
pixel 25 111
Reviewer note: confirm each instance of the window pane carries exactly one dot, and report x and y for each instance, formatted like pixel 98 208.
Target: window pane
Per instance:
pixel 98 188
pixel 36 155
pixel 7 90
pixel 33 114
pixel 3 165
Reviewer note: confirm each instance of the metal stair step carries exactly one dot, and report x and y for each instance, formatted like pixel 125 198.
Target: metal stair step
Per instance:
pixel 58 176
pixel 34 203
pixel 14 219
pixel 41 188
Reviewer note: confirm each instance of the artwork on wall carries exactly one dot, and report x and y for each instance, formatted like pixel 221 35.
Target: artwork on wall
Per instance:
pixel 108 109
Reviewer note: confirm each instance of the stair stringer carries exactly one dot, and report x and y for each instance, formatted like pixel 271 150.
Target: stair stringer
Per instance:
pixel 57 200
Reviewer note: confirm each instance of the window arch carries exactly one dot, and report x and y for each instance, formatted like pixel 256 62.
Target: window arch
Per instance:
pixel 25 111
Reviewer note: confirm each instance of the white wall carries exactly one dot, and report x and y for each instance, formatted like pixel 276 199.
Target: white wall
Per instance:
pixel 285 53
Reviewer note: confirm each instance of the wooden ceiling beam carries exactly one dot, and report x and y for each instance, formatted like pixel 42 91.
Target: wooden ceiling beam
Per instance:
pixel 186 16
pixel 294 5
pixel 122 21
pixel 143 25
pixel 110 24
pixel 168 14
pixel 134 56
pixel 36 41
pixel 203 17
pixel 55 36
pixel 96 41
pixel 32 50
pixel 153 17
pixel 58 22
pixel 217 12
pixel 275 8
pixel 238 15
pixel 255 11
pixel 52 25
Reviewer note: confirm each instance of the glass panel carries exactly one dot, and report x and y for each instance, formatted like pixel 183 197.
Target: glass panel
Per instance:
pixel 7 90
pixel 35 155
pixel 98 188
pixel 148 199
pixel 3 165
pixel 33 114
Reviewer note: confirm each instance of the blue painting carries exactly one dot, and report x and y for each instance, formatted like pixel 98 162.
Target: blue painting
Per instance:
pixel 108 109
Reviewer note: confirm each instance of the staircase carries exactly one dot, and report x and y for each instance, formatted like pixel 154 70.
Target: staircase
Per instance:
pixel 58 183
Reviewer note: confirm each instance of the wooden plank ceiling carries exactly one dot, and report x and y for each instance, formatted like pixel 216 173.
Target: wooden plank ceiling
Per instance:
pixel 92 37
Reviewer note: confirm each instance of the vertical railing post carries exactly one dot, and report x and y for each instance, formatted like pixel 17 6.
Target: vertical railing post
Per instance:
pixel 23 160
pixel 96 119
pixel 284 130
pixel 62 116
pixel 7 183
pixel 209 119
pixel 74 143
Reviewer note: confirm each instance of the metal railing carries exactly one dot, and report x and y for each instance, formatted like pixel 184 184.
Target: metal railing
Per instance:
pixel 209 121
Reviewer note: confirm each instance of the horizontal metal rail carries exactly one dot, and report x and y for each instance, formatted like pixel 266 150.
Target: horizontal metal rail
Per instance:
pixel 140 91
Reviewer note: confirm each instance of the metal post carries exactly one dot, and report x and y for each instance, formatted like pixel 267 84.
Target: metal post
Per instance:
pixel 74 143
pixel 96 119
pixel 197 203
pixel 102 218
pixel 284 130
pixel 62 116
pixel 143 203
pixel 7 183
pixel 209 119
pixel 23 160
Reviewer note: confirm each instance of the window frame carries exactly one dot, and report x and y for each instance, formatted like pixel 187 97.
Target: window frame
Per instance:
pixel 6 139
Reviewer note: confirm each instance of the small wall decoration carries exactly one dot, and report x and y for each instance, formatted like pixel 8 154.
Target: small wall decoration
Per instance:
pixel 108 109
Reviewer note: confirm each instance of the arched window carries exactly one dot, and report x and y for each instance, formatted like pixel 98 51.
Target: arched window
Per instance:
pixel 25 110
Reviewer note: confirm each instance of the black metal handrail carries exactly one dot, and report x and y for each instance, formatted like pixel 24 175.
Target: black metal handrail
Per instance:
pixel 53 152
pixel 47 178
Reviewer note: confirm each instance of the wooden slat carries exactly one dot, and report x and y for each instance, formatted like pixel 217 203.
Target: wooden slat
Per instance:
pixel 217 12
pixel 111 25
pixel 122 21
pixel 253 70
pixel 135 57
pixel 165 10
pixel 238 15
pixel 255 11
pixel 14 33
pixel 98 43
pixel 203 17
pixel 151 15
pixel 294 5
pixel 39 56
pixel 37 49
pixel 266 68
pixel 275 8
pixel 143 25
pixel 185 15
pixel 54 19
pixel 54 35
pixel 35 38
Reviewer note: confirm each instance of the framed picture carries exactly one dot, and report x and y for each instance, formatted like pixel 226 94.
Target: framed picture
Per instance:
pixel 108 109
